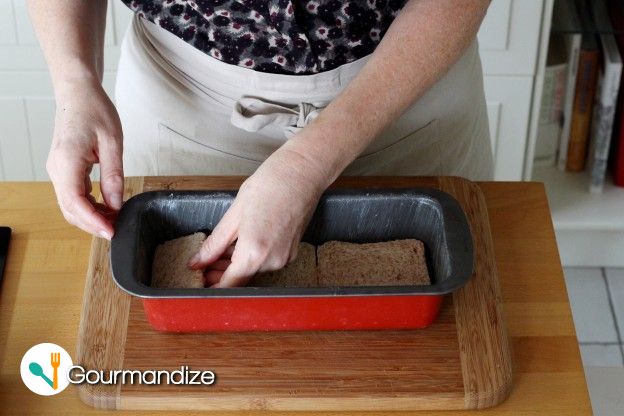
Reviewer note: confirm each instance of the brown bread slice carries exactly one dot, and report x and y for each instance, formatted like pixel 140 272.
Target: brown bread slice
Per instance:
pixel 169 269
pixel 391 263
pixel 300 273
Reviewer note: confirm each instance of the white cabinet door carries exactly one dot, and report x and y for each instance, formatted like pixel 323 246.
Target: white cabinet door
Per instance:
pixel 509 37
pixel 508 102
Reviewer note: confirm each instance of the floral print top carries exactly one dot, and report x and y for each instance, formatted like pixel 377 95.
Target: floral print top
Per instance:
pixel 277 36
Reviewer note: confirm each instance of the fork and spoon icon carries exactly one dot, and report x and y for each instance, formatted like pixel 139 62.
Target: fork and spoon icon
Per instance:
pixel 55 362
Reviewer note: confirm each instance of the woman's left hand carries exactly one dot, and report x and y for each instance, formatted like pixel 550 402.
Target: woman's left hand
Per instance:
pixel 267 219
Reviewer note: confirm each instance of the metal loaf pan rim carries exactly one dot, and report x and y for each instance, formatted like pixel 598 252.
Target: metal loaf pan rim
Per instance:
pixel 456 229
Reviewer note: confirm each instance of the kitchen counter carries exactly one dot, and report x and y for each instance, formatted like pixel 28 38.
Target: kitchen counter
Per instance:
pixel 41 298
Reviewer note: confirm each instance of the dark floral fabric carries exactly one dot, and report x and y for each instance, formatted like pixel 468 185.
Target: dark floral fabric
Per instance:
pixel 277 36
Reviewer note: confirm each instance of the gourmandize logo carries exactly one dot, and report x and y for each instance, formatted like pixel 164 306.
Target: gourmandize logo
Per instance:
pixel 55 361
pixel 44 369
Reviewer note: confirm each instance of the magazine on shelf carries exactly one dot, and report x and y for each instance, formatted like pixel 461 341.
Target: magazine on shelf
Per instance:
pixel 583 106
pixel 553 98
pixel 565 16
pixel 605 103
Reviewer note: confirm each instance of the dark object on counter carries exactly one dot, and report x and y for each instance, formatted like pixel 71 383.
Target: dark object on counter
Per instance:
pixel 5 237
pixel 358 216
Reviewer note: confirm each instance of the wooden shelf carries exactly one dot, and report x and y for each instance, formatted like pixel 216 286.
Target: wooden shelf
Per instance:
pixel 573 207
pixel 589 227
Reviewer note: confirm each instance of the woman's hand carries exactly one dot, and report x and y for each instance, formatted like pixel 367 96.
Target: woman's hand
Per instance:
pixel 87 130
pixel 266 219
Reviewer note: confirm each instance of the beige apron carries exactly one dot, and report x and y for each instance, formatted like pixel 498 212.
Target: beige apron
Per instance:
pixel 184 112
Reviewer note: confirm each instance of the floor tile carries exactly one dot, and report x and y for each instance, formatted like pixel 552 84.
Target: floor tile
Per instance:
pixel 590 305
pixel 615 278
pixel 596 355
pixel 605 390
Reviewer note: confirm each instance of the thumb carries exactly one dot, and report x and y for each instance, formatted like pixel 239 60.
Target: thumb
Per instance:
pixel 111 172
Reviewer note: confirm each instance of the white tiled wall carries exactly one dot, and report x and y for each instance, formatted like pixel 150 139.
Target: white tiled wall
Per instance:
pixel 26 103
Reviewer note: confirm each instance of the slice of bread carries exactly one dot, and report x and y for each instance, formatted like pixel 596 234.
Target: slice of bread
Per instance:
pixel 300 273
pixel 170 270
pixel 391 263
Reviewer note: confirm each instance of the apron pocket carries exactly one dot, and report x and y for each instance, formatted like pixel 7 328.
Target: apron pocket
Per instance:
pixel 180 155
pixel 418 153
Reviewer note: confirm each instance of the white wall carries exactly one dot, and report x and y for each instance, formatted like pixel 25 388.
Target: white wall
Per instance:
pixel 26 97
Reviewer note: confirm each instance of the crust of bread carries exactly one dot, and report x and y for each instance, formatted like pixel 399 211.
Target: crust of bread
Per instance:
pixel 391 263
pixel 299 273
pixel 335 263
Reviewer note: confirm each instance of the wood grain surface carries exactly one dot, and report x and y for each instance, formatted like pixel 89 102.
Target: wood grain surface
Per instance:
pixel 461 361
pixel 486 365
pixel 42 293
pixel 104 319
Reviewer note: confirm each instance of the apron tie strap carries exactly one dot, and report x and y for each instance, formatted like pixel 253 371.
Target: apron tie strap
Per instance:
pixel 253 114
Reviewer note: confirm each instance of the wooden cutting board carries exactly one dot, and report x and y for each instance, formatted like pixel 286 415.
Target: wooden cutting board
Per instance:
pixel 462 361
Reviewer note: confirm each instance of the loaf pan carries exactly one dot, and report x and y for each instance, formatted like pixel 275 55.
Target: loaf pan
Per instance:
pixel 359 216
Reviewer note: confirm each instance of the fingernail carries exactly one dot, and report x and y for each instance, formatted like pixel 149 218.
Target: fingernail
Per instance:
pixel 106 234
pixel 116 201
pixel 194 260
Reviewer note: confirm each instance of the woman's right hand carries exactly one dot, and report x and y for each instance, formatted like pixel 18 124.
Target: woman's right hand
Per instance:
pixel 87 130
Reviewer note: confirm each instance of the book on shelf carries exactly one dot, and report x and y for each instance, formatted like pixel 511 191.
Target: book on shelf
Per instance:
pixel 553 98
pixel 565 15
pixel 605 102
pixel 618 161
pixel 616 13
pixel 585 91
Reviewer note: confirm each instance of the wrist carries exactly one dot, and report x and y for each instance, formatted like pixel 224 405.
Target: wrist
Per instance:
pixel 68 89
pixel 76 76
pixel 310 166
pixel 329 148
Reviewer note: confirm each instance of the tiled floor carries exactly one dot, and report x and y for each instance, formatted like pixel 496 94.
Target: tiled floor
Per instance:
pixel 597 299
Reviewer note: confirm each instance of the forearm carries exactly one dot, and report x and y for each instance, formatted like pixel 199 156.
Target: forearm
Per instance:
pixel 71 34
pixel 423 42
